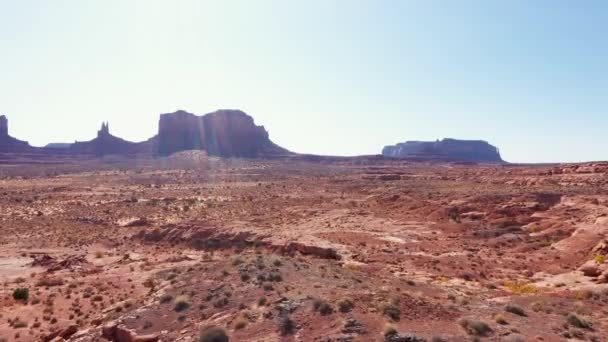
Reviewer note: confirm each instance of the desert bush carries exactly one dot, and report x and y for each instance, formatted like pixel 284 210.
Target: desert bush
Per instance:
pixel 389 330
pixel 19 324
pixel 286 325
pixel 262 301
pixel 521 287
pixel 477 328
pixel 438 339
pixel 21 294
pixel 166 298
pixel 515 309
pixel 182 303
pixel 346 305
pixel 392 311
pixel 274 276
pixel 240 324
pixel 500 319
pixel 213 334
pixel 322 307
pixel 220 303
pixel 577 322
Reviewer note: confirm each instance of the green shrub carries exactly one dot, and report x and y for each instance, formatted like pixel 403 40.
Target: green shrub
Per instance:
pixel 22 294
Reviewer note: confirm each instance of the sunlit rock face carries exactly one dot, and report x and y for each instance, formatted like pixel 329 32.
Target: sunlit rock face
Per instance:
pixel 465 150
pixel 226 133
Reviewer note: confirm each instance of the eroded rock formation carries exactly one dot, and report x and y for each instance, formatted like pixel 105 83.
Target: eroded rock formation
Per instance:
pixel 452 149
pixel 226 133
pixel 8 143
pixel 106 144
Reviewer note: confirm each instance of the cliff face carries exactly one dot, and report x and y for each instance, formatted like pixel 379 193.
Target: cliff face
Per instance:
pixel 226 133
pixel 465 150
pixel 8 143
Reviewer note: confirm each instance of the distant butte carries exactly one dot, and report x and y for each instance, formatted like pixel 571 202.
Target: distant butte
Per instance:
pixel 446 149
pixel 8 143
pixel 225 133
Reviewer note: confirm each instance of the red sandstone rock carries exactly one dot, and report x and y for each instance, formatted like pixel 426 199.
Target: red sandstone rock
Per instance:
pixel 227 133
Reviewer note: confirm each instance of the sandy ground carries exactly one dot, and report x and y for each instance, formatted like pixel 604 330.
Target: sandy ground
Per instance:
pixel 301 251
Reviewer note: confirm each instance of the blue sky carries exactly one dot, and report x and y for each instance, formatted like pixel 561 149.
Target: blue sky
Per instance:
pixel 340 77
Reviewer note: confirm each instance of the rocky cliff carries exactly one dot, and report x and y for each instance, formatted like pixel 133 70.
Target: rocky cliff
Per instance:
pixel 452 149
pixel 226 133
pixel 8 143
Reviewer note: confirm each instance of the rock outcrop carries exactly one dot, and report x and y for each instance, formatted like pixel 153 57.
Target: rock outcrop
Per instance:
pixel 225 133
pixel 106 144
pixel 446 149
pixel 8 143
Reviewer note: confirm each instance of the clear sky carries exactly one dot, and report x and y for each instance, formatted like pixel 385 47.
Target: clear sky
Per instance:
pixel 340 77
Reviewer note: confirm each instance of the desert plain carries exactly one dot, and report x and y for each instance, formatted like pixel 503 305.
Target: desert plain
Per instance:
pixel 353 249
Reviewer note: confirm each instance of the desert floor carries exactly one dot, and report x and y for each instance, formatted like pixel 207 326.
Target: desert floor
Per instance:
pixel 303 251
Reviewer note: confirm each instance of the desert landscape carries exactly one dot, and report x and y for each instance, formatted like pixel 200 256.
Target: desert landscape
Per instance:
pixel 303 171
pixel 191 247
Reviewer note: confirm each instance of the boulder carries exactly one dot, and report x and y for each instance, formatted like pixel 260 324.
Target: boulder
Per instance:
pixel 592 269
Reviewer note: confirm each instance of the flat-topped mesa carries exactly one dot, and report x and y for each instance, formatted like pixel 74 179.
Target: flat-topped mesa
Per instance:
pixel 225 133
pixel 6 141
pixel 446 149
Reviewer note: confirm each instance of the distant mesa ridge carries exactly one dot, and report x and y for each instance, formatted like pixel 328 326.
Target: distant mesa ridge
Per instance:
pixel 451 149
pixel 233 133
pixel 224 133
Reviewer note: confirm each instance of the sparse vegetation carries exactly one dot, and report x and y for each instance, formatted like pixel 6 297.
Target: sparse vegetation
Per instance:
pixel 577 322
pixel 22 294
pixel 521 288
pixel 240 324
pixel 389 330
pixel 322 307
pixel 392 311
pixel 500 319
pixel 345 305
pixel 476 328
pixel 286 325
pixel 515 309
pixel 213 334
pixel 182 303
